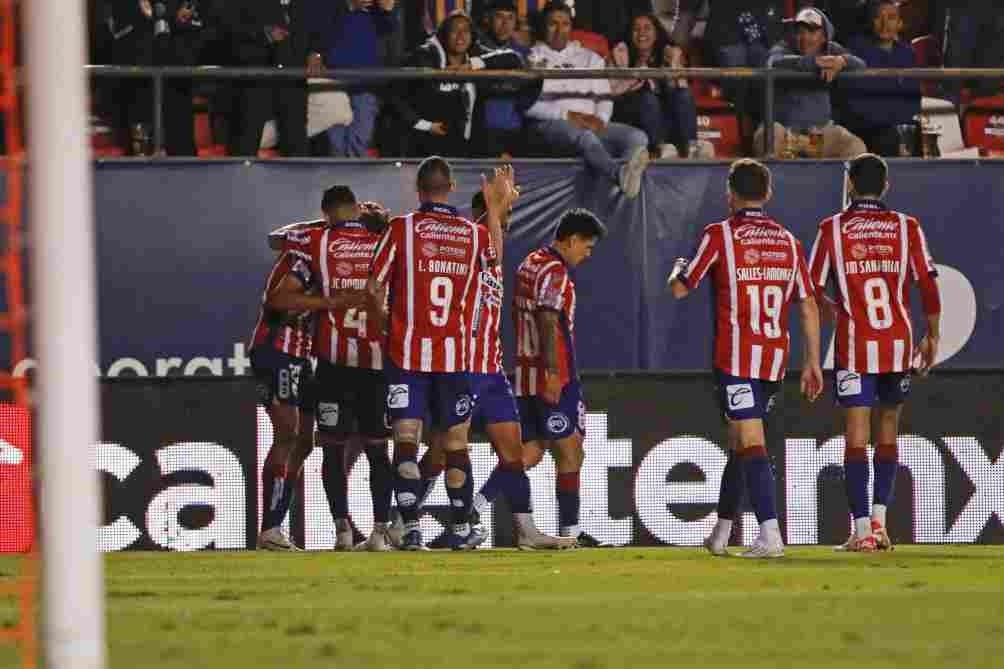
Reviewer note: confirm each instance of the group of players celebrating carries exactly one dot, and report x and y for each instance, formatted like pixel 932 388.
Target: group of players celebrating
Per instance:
pixel 404 316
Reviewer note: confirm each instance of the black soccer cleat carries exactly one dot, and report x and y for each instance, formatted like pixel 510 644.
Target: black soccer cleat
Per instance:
pixel 589 541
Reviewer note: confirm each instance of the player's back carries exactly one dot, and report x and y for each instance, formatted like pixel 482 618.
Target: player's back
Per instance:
pixel 869 254
pixel 543 282
pixel 289 333
pixel 486 343
pixel 429 259
pixel 341 256
pixel 758 268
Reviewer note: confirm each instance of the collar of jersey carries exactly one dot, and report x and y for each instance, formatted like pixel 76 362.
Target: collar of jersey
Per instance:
pixel 875 205
pixel 437 208
pixel 750 212
pixel 349 225
pixel 554 252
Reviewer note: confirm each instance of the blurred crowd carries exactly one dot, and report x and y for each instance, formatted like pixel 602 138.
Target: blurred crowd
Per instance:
pixel 606 122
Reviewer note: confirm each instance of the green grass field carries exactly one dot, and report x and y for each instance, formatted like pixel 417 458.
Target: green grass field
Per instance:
pixel 931 606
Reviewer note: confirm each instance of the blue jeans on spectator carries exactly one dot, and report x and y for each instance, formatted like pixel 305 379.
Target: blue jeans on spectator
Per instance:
pixel 599 151
pixel 353 140
pixel 747 96
pixel 667 117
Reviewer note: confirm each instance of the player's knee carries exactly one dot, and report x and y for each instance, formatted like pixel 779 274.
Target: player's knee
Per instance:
pixel 407 432
pixel 408 470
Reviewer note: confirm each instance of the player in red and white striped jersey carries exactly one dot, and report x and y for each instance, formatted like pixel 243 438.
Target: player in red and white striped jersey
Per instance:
pixel 757 269
pixel 429 261
pixel 551 408
pixel 870 256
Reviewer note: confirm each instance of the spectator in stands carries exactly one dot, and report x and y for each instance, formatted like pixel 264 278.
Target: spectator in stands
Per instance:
pixel 423 17
pixel 664 109
pixel 972 35
pixel 803 108
pixel 348 35
pixel 502 104
pixel 606 18
pixel 146 32
pixel 268 33
pixel 573 115
pixel 739 34
pixel 850 17
pixel 438 116
pixel 873 108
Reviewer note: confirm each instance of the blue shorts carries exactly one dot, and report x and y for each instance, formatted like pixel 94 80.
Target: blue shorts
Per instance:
pixel 493 399
pixel 541 421
pixel 282 378
pixel 745 399
pixel 854 389
pixel 351 400
pixel 444 399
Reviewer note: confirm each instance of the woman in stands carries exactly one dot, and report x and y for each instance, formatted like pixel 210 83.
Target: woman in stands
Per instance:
pixel 663 108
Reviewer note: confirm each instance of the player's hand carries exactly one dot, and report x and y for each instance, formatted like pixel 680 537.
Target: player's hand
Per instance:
pixel 812 382
pixel 439 128
pixel 500 191
pixel 551 393
pixel 925 354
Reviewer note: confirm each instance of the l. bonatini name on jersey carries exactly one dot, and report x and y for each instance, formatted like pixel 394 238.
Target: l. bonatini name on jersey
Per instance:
pixel 442 267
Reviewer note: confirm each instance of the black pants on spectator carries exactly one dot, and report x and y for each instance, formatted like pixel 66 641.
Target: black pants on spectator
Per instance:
pixel 424 144
pixel 257 103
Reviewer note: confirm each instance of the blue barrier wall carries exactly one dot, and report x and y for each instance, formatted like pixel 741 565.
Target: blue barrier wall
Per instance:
pixel 182 252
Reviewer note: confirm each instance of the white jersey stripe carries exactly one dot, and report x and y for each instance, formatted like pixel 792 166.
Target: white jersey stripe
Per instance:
pixel 520 391
pixel 838 267
pixel 697 256
pixel 376 356
pixel 334 344
pixel 872 349
pixel 901 283
pixel 795 275
pixel 775 367
pixel 426 361
pixel 733 295
pixel 351 352
pixel 756 358
pixel 450 351
pixel 409 257
pixel 898 355
pixel 532 382
pixel 472 274
pixel 851 367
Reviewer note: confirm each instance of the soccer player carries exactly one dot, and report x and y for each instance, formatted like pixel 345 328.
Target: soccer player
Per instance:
pixel 429 261
pixel 495 410
pixel 350 387
pixel 757 269
pixel 551 408
pixel 870 255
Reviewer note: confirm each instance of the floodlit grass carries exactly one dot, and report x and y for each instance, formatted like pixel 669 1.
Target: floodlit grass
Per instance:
pixel 930 606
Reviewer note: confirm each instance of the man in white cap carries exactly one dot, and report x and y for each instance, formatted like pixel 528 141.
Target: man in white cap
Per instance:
pixel 802 106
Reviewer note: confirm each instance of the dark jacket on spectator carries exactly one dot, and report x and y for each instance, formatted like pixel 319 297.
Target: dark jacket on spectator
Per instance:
pixel 803 104
pixel 724 27
pixel 247 24
pixel 871 103
pixel 348 39
pixel 503 103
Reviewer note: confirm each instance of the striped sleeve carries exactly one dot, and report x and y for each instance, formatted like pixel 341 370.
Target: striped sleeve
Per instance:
pixel 704 258
pixel 386 252
pixel 820 259
pixel 803 282
pixel 922 268
pixel 550 288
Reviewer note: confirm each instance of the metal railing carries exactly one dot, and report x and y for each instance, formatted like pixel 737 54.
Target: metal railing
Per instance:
pixel 341 77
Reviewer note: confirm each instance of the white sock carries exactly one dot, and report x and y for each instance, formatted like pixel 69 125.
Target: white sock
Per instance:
pixel 770 531
pixel 570 531
pixel 863 527
pixel 480 503
pixel 878 513
pixel 721 533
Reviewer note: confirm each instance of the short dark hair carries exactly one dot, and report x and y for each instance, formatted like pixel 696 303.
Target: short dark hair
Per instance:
pixel 540 19
pixel 581 222
pixel 869 174
pixel 337 196
pixel 374 216
pixel 478 202
pixel 435 176
pixel 749 179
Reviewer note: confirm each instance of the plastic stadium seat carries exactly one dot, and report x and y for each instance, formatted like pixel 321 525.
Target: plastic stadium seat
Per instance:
pixel 984 125
pixel 592 41
pixel 927 53
pixel 721 128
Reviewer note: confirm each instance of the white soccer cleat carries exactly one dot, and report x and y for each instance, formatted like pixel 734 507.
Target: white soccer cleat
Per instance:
pixel 529 538
pixel 882 540
pixel 378 541
pixel 718 550
pixel 764 550
pixel 274 540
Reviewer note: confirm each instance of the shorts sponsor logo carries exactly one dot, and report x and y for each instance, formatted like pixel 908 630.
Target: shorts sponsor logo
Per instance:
pixel 859 251
pixel 463 407
pixel 751 256
pixel 848 383
pixel 740 396
pixel 327 414
pixel 430 249
pixel 771 401
pixel 264 393
pixel 557 423
pixel 344 269
pixel 406 499
pixel 904 385
pixel 582 417
pixel 398 397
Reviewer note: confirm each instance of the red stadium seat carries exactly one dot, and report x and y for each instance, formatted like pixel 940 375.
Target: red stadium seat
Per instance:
pixel 592 41
pixel 721 128
pixel 984 125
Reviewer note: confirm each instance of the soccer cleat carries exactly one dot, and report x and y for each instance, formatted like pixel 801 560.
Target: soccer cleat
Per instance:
pixel 529 538
pixel 448 539
pixel 344 541
pixel 589 541
pixel 412 541
pixel 474 538
pixel 856 544
pixel 274 540
pixel 764 550
pixel 716 550
pixel 378 541
pixel 882 541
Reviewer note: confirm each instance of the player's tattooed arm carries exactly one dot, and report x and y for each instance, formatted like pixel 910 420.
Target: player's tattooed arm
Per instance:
pixel 291 295
pixel 547 326
pixel 812 373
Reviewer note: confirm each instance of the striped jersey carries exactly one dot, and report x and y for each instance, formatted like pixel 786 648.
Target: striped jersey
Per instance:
pixel 486 344
pixel 869 255
pixel 339 259
pixel 290 333
pixel 757 269
pixel 543 282
pixel 430 260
